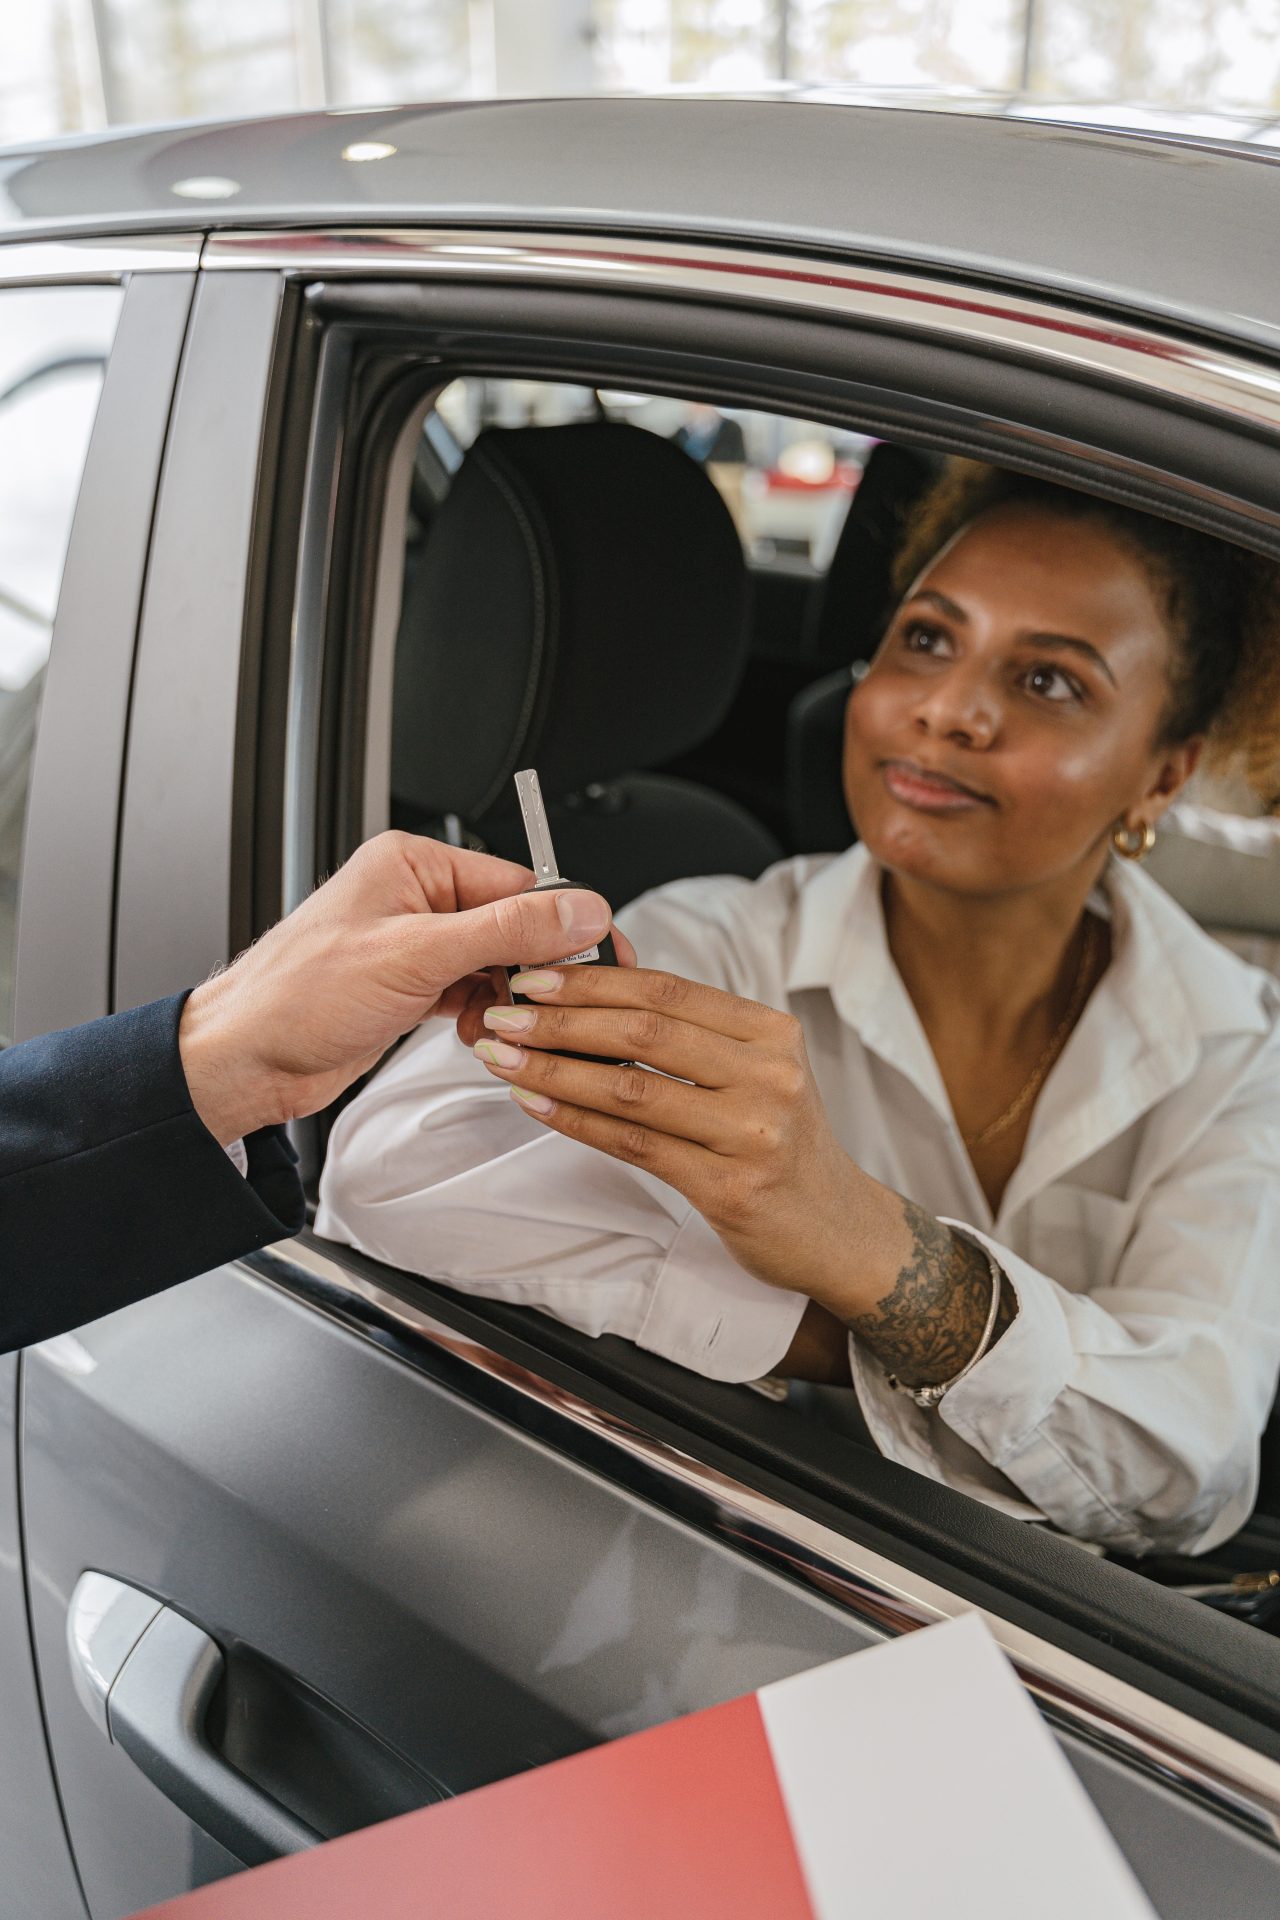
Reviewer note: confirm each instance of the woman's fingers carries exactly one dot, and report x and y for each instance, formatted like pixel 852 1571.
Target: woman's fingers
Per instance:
pixel 687 1165
pixel 647 990
pixel 483 991
pixel 459 995
pixel 646 1101
pixel 623 948
pixel 624 1033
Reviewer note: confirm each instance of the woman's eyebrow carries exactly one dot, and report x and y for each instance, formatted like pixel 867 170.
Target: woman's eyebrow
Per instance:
pixel 952 608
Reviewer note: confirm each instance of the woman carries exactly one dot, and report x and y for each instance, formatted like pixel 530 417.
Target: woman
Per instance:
pixel 972 1116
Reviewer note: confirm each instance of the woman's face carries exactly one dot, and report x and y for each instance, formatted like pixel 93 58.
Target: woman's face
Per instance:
pixel 1009 718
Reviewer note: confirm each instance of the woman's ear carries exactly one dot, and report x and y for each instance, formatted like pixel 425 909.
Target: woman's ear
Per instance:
pixel 1175 769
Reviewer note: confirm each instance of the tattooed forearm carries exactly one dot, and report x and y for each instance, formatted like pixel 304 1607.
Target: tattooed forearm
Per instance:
pixel 928 1325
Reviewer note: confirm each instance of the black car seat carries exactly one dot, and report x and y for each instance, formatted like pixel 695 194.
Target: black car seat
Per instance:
pixel 850 604
pixel 817 818
pixel 849 612
pixel 579 605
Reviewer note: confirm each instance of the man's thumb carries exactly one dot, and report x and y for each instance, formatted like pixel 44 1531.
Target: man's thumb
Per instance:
pixel 525 930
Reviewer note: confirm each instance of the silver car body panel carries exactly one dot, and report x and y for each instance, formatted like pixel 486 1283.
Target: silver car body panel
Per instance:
pixel 69 863
pixel 890 1598
pixel 237 1454
pixel 1162 226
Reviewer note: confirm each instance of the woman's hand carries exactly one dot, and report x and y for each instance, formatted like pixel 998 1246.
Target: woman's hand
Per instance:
pixel 473 997
pixel 729 1113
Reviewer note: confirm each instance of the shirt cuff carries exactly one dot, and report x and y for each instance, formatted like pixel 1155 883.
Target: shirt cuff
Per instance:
pixel 1000 1404
pixel 239 1159
pixel 708 1314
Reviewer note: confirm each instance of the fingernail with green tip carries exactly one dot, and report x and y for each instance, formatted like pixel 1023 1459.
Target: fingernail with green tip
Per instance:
pixel 510 1019
pixel 533 1102
pixel 537 982
pixel 499 1055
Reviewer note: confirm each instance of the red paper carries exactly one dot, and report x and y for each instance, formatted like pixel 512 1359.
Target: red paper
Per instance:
pixel 685 1819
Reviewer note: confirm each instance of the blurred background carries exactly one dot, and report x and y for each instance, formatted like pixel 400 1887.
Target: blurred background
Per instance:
pixel 72 65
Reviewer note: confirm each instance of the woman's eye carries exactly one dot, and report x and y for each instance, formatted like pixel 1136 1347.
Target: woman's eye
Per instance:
pixel 918 638
pixel 1051 683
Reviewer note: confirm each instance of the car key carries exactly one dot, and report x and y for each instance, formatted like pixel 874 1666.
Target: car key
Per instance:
pixel 549 879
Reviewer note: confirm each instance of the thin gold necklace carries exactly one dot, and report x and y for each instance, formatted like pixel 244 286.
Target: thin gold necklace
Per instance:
pixel 1050 1054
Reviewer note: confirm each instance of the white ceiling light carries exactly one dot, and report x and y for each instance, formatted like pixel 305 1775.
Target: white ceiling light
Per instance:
pixel 368 150
pixel 206 186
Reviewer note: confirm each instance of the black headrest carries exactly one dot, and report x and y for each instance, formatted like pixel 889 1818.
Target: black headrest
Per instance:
pixel 848 613
pixel 817 817
pixel 580 606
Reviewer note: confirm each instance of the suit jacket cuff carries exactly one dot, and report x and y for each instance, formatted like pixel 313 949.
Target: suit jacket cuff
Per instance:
pixel 111 1187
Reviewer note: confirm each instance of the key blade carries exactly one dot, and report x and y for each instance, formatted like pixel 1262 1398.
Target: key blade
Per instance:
pixel 541 852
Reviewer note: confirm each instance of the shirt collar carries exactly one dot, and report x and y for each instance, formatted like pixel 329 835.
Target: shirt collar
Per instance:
pixel 840 944
pixel 1173 981
pixel 1163 964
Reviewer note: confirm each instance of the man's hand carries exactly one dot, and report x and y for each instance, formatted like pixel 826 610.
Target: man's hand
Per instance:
pixel 403 930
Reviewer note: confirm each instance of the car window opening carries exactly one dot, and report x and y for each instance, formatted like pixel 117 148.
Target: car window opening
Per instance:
pixel 664 605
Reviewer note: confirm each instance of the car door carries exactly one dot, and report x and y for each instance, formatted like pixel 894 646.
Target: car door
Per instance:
pixel 364 1544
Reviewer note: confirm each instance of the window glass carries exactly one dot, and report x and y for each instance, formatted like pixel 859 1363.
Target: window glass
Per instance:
pixel 46 73
pixel 704 43
pixel 54 344
pixel 382 50
pixel 1165 52
pixel 891 43
pixel 788 483
pixel 180 59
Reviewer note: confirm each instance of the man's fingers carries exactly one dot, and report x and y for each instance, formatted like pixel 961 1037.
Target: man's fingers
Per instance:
pixel 456 878
pixel 522 929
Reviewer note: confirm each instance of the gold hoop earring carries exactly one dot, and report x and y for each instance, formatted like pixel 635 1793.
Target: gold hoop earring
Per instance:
pixel 1134 843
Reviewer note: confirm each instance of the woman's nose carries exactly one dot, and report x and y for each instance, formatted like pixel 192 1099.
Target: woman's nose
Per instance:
pixel 959 707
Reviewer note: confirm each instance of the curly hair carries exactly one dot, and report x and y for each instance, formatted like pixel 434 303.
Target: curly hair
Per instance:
pixel 1222 604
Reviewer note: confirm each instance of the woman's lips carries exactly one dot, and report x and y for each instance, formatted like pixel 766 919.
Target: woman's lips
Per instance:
pixel 930 793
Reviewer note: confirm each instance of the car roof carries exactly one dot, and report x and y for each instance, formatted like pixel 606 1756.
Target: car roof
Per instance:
pixel 1171 224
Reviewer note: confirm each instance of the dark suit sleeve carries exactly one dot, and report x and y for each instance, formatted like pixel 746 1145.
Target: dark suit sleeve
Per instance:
pixel 111 1187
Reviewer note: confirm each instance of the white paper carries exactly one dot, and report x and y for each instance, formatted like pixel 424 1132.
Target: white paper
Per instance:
pixel 922 1784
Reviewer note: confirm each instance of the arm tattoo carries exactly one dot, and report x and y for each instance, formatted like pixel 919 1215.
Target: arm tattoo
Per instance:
pixel 928 1325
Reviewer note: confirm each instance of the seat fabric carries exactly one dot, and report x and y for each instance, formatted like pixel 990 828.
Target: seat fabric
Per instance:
pixel 579 605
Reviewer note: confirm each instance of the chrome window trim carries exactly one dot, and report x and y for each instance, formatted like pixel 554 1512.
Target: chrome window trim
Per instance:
pixel 1066 338
pixel 34 263
pixel 1080 1699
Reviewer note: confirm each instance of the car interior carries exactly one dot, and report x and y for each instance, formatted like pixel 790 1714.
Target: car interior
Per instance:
pixel 662 618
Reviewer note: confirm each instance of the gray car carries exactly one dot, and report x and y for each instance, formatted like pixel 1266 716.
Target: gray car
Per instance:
pixel 308 1541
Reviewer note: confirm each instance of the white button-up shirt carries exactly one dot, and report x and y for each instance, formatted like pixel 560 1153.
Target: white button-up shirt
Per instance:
pixel 1140 1231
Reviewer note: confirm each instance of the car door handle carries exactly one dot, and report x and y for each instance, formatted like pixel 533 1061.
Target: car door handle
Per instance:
pixel 147 1675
